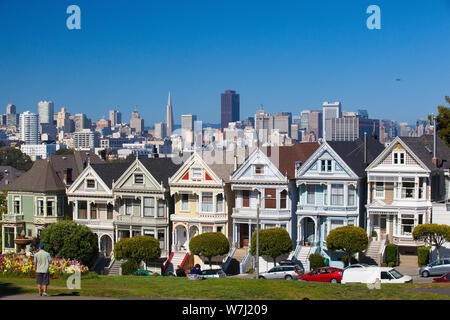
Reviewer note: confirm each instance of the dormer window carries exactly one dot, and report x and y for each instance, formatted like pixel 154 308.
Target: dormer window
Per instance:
pixel 325 166
pixel 259 169
pixel 139 178
pixel 398 157
pixel 90 183
pixel 196 173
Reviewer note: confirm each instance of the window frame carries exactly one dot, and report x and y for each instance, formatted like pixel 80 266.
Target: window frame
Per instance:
pixel 340 195
pixel 206 204
pixel 91 187
pixel 377 193
pixel 140 175
pixel 258 169
pixel 184 202
pixel 150 206
pixel 196 173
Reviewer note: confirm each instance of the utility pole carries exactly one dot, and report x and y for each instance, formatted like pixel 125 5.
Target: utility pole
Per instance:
pixel 257 234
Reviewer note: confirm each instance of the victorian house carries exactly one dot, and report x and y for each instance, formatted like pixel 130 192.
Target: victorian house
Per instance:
pixel 332 193
pixel 403 182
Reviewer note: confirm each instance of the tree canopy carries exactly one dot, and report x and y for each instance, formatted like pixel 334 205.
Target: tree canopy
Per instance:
pixel 138 249
pixel 15 158
pixel 209 244
pixel 433 234
pixel 64 151
pixel 348 239
pixel 443 122
pixel 273 242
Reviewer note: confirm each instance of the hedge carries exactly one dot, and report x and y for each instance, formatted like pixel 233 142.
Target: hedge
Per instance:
pixel 423 255
pixel 316 261
pixel 129 267
pixel 391 253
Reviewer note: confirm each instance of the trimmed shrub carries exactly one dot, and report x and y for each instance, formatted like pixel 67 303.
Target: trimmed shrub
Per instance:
pixel 344 259
pixel 423 255
pixel 316 261
pixel 273 242
pixel 209 244
pixel 384 264
pixel 140 248
pixel 129 267
pixel 391 264
pixel 348 239
pixel 374 233
pixel 391 253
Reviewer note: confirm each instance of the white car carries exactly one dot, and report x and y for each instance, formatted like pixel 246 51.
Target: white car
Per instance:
pixel 374 275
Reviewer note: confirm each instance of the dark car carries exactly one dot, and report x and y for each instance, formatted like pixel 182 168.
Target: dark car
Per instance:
pixel 444 278
pixel 145 273
pixel 326 274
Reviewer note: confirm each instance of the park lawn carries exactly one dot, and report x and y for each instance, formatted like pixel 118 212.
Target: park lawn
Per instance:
pixel 230 288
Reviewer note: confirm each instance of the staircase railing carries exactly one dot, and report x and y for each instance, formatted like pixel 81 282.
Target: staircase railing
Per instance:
pixel 228 260
pixel 247 262
pixel 165 265
pixel 108 267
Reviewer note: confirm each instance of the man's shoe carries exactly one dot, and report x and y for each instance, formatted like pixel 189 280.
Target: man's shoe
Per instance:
pixel 45 294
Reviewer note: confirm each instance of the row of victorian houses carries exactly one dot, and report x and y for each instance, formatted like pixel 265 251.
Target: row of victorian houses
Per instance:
pixel 308 188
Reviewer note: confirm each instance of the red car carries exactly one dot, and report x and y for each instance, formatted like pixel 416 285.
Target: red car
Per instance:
pixel 326 274
pixel 444 278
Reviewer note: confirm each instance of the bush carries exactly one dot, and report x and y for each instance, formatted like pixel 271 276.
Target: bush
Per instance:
pixel 349 239
pixel 423 256
pixel 140 248
pixel 273 242
pixel 391 253
pixel 391 264
pixel 374 234
pixel 129 267
pixel 344 259
pixel 316 261
pixel 209 244
pixel 70 240
pixel 384 264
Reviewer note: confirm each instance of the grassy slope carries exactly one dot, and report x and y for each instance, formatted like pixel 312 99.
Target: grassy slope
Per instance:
pixel 233 288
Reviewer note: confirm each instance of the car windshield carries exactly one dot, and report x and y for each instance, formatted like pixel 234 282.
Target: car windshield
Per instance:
pixel 395 274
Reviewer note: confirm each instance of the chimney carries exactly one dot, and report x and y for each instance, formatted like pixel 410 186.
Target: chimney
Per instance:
pixel 67 176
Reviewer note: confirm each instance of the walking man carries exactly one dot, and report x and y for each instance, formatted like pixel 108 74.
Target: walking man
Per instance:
pixel 42 259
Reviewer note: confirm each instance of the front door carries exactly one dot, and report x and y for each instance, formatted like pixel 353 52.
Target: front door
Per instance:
pixel 382 227
pixel 243 235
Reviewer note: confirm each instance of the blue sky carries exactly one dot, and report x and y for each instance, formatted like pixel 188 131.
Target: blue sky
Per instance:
pixel 286 55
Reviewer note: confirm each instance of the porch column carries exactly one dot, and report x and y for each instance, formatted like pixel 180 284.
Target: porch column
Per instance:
pixel 299 235
pixel 316 232
pixel 249 234
pixel 76 210
pixel 142 206
pixel 117 233
pixel 131 231
pixel 214 202
pixel 345 193
pixel 88 210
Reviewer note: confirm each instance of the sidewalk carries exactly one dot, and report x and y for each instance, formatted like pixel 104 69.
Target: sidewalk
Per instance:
pixel 50 297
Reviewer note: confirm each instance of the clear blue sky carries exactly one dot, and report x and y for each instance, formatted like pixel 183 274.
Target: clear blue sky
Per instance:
pixel 286 55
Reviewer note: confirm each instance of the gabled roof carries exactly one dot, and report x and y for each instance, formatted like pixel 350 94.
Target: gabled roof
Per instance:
pixel 289 155
pixel 422 147
pixel 8 175
pixel 161 169
pixel 110 172
pixel 76 161
pixel 41 177
pixel 352 152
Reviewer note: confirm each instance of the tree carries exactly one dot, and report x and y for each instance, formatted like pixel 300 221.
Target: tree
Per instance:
pixel 70 240
pixel 433 234
pixel 64 151
pixel 3 209
pixel 273 242
pixel 349 239
pixel 443 122
pixel 209 244
pixel 15 158
pixel 138 249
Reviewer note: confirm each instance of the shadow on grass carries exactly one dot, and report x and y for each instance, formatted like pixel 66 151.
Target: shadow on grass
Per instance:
pixel 8 289
pixel 72 294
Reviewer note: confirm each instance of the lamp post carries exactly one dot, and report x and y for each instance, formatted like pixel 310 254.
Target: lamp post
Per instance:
pixel 258 205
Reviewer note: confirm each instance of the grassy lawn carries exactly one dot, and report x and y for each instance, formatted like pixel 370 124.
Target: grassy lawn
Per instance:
pixel 230 288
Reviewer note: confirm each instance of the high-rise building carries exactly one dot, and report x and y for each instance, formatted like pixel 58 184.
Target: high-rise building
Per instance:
pixel 282 122
pixel 86 139
pixel 115 116
pixel 404 129
pixel 81 122
pixel 229 108
pixel 46 110
pixel 304 120
pixel 63 120
pixel 160 130
pixel 330 111
pixel 29 127
pixel 12 118
pixel 352 128
pixel 315 124
pixel 136 122
pixel 169 117
pixel 10 108
pixel 187 121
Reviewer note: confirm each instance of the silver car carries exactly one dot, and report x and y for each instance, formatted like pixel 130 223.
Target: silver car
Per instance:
pixel 438 267
pixel 292 272
pixel 213 273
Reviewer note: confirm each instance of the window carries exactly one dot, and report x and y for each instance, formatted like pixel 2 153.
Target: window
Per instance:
pixel 17 205
pixel 196 173
pixel 207 202
pixel 8 238
pixel 184 202
pixel 40 207
pixel 138 178
pixel 399 157
pixel 109 212
pixel 259 169
pixel 90 183
pixel 270 198
pixel 310 194
pixel 246 198
pixel 207 229
pixel 336 224
pixel 161 238
pixel 219 203
pixel 350 222
pixel 379 190
pixel 407 190
pixel 407 226
pixel 82 210
pixel 161 208
pixel 219 229
pixel 325 195
pixel 351 195
pixel 50 207
pixel 325 165
pixel 283 199
pixel 150 233
pixel 385 276
pixel 149 207
pixel 93 211
pixel 337 194
pixel 128 206
pixel 420 218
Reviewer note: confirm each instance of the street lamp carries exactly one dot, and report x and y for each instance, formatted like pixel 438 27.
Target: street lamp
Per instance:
pixel 257 234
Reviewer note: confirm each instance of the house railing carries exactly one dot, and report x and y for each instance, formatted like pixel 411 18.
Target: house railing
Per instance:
pixel 228 259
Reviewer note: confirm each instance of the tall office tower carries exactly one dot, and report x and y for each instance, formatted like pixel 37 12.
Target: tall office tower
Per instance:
pixel 29 127
pixel 282 122
pixel 10 108
pixel 169 117
pixel 187 121
pixel 46 110
pixel 160 130
pixel 81 122
pixel 295 132
pixel 12 118
pixel 315 123
pixel 404 129
pixel 352 128
pixel 115 116
pixel 63 120
pixel 362 112
pixel 86 139
pixel 304 120
pixel 330 111
pixel 136 122
pixel 229 108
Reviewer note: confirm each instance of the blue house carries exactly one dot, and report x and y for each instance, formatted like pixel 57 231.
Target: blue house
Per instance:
pixel 332 188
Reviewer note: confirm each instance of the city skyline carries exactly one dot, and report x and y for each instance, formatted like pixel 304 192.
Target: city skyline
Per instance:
pixel 288 63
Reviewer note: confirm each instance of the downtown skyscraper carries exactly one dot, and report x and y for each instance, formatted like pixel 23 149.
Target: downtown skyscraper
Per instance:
pixel 169 117
pixel 229 108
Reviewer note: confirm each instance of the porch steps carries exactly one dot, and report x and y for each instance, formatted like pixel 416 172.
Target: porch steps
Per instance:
pixel 114 270
pixel 174 263
pixel 303 255
pixel 372 256
pixel 234 265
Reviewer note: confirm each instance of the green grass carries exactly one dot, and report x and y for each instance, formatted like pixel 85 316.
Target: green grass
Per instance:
pixel 230 288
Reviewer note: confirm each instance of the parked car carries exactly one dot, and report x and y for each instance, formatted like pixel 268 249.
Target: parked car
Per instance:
pixel 373 275
pixel 289 272
pixel 145 273
pixel 325 274
pixel 356 265
pixel 213 273
pixel 436 268
pixel 444 278
pixel 292 263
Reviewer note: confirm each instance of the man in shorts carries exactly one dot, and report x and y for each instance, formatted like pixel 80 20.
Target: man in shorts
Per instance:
pixel 42 260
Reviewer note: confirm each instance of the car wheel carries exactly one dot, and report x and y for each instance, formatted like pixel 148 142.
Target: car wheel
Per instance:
pixel 425 274
pixel 261 277
pixel 288 277
pixel 333 280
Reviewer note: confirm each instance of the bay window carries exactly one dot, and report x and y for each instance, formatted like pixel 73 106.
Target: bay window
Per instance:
pixel 270 198
pixel 149 207
pixel 82 209
pixel 351 195
pixel 161 208
pixel 207 202
pixel 219 203
pixel 337 194
pixel 311 194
